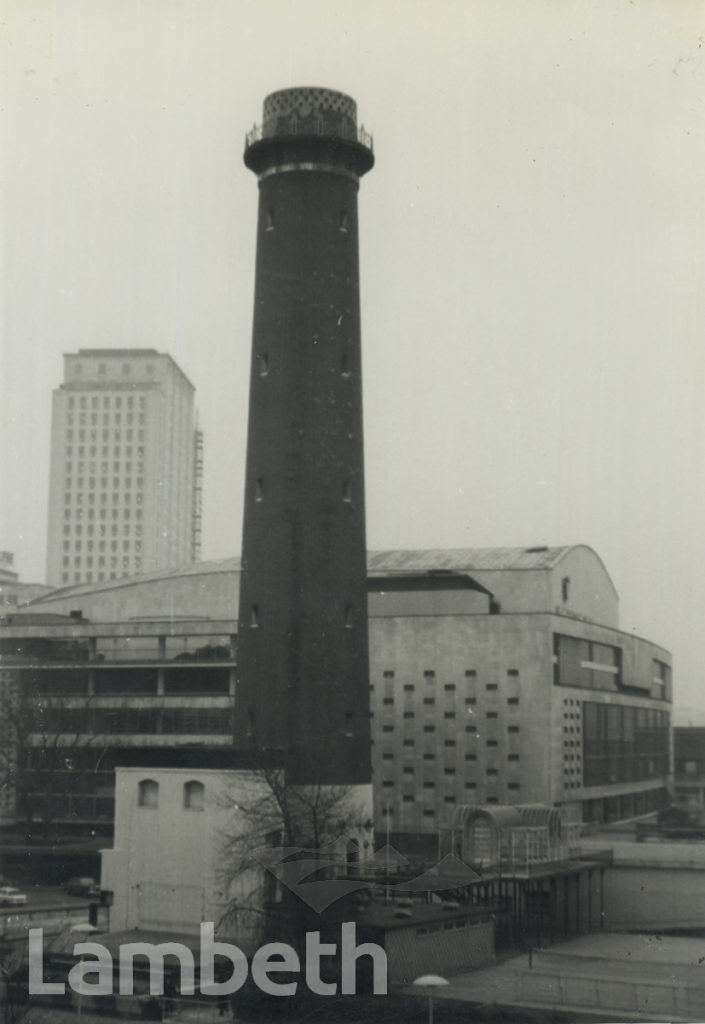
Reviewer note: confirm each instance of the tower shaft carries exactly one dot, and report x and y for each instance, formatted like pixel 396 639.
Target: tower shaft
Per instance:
pixel 303 684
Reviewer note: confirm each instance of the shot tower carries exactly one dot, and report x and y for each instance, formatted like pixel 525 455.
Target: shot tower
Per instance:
pixel 303 687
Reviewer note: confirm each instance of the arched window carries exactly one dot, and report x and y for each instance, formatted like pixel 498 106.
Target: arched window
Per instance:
pixel 148 793
pixel 194 796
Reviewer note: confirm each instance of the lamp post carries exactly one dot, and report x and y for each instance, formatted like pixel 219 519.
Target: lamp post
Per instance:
pixel 388 812
pixel 429 982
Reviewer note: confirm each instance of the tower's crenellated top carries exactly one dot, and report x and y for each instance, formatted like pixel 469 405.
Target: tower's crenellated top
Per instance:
pixel 319 111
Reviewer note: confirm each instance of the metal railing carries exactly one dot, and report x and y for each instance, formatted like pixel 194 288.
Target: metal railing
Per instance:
pixel 563 979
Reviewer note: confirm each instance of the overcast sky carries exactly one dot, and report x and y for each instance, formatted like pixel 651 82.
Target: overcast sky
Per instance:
pixel 532 249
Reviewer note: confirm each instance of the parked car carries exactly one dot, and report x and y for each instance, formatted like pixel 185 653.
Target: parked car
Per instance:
pixel 83 887
pixel 10 896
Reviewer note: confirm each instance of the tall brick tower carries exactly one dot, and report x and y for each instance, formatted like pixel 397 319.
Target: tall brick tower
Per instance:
pixel 303 686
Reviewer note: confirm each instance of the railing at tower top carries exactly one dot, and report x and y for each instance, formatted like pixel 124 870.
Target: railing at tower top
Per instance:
pixel 310 126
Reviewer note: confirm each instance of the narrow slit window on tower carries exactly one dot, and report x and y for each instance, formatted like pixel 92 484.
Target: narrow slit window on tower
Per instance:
pixel 344 219
pixel 348 616
pixel 270 218
pixel 344 365
pixel 264 365
pixel 254 616
pixel 259 489
pixel 250 722
pixel 347 494
pixel 348 723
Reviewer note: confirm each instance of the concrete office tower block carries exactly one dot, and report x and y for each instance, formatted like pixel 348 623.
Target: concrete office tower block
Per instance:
pixel 303 686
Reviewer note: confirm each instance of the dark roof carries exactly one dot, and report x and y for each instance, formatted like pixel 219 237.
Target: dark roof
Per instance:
pixel 384 915
pixel 433 579
pixel 40 619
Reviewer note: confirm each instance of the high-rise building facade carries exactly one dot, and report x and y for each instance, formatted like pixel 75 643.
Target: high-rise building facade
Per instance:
pixel 125 482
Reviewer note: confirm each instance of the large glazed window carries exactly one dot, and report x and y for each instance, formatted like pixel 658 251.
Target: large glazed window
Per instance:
pixel 623 744
pixel 586 663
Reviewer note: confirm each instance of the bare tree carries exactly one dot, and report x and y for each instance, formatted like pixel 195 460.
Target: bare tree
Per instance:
pixel 285 841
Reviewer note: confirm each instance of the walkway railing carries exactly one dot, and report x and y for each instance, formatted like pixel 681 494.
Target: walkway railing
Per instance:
pixel 660 991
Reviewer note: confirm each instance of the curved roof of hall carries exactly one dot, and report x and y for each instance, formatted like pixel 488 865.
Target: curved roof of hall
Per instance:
pixel 388 562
